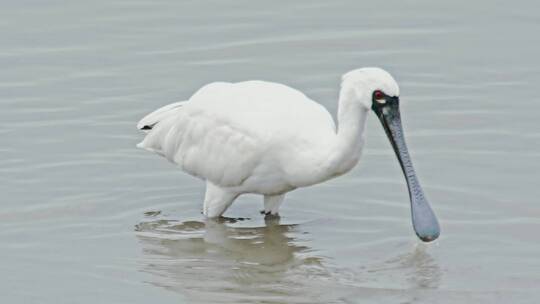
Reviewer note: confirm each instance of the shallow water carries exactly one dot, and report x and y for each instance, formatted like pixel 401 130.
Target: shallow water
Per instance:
pixel 88 218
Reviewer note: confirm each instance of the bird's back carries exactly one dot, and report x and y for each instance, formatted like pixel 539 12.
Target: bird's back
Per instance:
pixel 261 107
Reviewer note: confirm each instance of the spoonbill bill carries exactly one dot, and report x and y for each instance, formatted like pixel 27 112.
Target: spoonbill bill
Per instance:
pixel 267 138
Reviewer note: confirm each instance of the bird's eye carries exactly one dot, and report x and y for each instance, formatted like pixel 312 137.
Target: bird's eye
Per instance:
pixel 379 96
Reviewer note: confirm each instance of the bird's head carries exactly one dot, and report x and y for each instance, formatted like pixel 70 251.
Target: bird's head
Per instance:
pixel 367 85
pixel 376 89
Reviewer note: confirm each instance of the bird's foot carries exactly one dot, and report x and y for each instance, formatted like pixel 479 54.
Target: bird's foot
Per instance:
pixel 230 220
pixel 269 215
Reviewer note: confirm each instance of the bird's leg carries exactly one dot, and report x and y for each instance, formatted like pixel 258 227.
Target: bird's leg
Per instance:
pixel 217 200
pixel 272 203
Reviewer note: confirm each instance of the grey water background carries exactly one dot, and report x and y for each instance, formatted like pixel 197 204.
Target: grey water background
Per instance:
pixel 85 217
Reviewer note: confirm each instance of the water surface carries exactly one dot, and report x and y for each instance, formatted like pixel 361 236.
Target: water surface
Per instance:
pixel 86 217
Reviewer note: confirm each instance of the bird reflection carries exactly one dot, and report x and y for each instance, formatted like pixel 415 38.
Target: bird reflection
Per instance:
pixel 223 261
pixel 415 269
pixel 424 270
pixel 213 259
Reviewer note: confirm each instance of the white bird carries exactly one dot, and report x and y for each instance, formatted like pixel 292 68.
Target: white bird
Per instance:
pixel 267 138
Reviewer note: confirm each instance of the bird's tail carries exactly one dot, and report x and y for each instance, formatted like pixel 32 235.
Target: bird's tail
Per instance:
pixel 151 120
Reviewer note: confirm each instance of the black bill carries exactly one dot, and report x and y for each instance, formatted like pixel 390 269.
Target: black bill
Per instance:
pixel 424 221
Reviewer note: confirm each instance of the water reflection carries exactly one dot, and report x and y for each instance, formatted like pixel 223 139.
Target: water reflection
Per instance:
pixel 424 272
pixel 416 269
pixel 215 260
pixel 222 261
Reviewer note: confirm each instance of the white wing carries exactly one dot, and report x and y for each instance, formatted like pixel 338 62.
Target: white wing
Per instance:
pixel 229 133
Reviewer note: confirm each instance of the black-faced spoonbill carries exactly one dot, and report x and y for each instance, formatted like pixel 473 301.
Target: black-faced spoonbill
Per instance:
pixel 267 138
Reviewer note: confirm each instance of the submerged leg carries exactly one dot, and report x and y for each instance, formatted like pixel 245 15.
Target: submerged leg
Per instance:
pixel 272 203
pixel 217 200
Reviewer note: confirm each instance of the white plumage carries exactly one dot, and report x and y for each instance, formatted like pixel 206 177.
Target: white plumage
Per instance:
pixel 262 137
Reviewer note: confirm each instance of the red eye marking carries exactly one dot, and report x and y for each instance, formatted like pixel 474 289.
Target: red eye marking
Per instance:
pixel 377 95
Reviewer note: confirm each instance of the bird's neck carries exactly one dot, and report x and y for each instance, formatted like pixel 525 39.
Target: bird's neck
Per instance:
pixel 351 119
